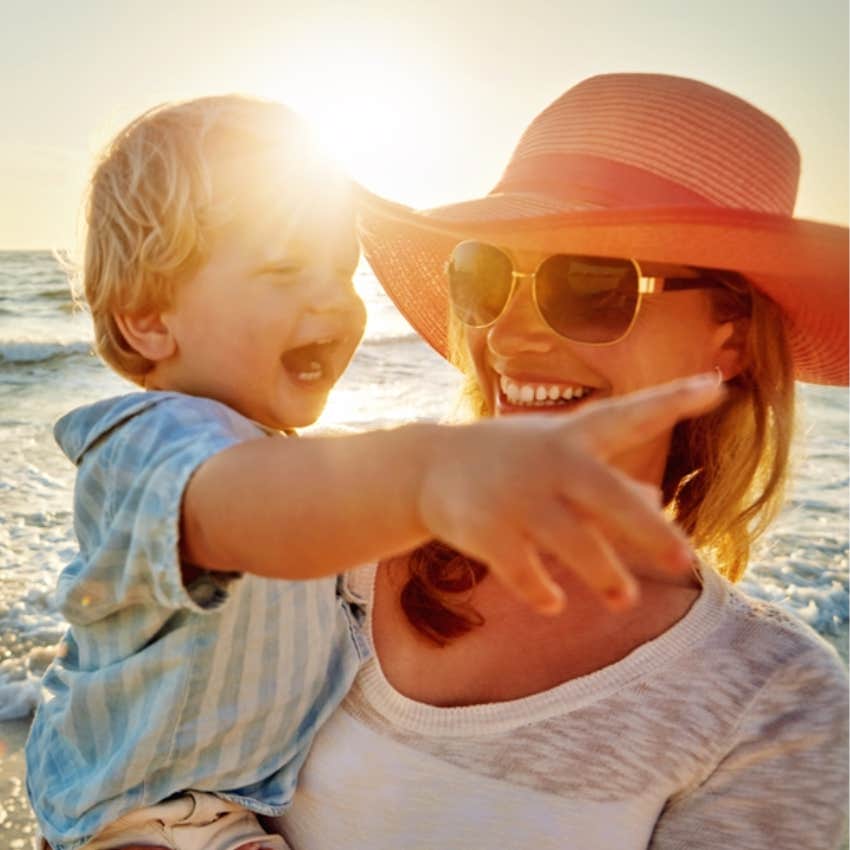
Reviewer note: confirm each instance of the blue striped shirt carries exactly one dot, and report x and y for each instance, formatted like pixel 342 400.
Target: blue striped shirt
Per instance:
pixel 157 688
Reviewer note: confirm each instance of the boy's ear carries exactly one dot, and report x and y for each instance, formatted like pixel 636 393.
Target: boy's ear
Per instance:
pixel 730 350
pixel 147 334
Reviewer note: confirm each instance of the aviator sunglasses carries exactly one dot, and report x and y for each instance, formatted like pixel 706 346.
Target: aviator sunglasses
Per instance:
pixel 584 299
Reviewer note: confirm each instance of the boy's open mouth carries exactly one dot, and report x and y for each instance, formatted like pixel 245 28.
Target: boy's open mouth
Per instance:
pixel 312 363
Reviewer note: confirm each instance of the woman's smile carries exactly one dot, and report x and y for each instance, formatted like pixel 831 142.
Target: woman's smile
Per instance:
pixel 522 394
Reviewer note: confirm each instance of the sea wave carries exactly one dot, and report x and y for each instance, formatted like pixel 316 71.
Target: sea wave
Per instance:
pixel 24 352
pixel 381 341
pixel 55 308
pixel 60 292
pixel 20 681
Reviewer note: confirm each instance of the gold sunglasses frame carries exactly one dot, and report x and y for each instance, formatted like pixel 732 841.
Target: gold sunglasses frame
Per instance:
pixel 647 285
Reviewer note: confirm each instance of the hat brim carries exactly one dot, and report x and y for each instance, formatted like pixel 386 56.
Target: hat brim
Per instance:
pixel 802 265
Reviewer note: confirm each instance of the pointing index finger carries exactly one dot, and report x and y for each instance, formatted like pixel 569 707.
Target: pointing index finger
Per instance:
pixel 623 423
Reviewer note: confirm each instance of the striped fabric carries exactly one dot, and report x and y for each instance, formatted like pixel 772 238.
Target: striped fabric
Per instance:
pixel 158 689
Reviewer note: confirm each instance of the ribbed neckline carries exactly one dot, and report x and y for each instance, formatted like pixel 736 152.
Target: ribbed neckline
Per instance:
pixel 499 717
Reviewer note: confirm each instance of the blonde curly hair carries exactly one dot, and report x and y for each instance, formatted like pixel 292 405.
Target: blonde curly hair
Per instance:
pixel 158 193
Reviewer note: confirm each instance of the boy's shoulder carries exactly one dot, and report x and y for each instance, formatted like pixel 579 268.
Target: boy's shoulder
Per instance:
pixel 166 413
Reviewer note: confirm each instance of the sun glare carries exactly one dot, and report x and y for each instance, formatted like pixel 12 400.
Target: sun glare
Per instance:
pixel 371 120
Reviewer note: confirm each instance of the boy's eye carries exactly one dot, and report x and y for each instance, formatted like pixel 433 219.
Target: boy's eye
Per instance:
pixel 290 271
pixel 283 270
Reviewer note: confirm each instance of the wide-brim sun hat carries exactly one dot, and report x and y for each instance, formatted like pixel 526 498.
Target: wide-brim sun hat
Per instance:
pixel 652 167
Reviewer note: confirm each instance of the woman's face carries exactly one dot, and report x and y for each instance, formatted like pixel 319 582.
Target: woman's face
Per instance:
pixel 523 366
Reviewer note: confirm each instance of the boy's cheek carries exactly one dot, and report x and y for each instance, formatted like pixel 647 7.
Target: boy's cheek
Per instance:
pixel 356 321
pixel 361 318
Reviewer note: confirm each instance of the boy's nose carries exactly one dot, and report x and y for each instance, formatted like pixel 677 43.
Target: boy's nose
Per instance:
pixel 520 327
pixel 334 294
pixel 339 303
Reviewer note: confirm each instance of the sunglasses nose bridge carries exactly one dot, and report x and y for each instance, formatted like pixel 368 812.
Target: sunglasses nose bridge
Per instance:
pixel 531 297
pixel 520 325
pixel 520 292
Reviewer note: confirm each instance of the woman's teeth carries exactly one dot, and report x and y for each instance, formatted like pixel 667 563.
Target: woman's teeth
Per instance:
pixel 539 395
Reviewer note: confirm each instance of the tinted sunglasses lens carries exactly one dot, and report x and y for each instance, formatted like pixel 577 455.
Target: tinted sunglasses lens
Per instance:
pixel 480 280
pixel 587 299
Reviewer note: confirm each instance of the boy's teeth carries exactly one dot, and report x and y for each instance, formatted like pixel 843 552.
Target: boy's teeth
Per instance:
pixel 312 374
pixel 538 394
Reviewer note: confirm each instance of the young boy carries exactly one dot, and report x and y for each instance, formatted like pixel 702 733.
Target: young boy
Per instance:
pixel 219 256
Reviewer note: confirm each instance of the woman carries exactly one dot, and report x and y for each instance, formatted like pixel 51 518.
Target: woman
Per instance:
pixel 642 231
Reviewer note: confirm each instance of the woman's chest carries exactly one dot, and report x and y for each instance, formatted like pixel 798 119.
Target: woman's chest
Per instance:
pixel 515 652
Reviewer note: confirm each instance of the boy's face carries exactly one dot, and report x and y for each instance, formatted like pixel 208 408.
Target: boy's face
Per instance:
pixel 271 321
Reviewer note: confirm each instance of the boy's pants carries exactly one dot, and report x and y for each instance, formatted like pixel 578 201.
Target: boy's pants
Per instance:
pixel 192 821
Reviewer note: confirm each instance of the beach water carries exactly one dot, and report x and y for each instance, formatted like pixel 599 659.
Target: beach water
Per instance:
pixel 46 368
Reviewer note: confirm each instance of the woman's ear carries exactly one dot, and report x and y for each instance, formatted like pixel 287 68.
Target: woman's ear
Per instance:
pixel 730 347
pixel 147 334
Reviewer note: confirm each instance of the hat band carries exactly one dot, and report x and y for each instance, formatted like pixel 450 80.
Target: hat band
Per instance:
pixel 595 180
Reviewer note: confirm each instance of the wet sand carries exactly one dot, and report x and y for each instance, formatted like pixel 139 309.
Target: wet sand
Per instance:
pixel 17 825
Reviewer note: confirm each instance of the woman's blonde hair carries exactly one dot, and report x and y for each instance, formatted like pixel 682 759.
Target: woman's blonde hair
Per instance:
pixel 157 194
pixel 727 470
pixel 725 476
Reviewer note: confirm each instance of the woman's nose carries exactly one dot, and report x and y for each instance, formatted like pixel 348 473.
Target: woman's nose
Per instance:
pixel 520 326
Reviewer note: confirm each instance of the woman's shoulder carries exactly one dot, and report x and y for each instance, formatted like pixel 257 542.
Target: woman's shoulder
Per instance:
pixel 771 640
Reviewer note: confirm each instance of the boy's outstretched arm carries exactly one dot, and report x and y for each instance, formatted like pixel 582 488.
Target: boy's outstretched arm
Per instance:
pixel 499 490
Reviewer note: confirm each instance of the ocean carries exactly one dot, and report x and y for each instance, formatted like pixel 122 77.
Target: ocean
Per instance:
pixel 46 368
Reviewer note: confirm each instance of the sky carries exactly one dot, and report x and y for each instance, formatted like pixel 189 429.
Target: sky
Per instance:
pixel 423 101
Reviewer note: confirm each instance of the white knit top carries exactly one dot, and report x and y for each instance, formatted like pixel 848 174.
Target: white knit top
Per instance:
pixel 728 731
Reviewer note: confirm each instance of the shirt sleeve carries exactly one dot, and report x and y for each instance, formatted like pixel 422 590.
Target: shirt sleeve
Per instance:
pixel 128 506
pixel 783 783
